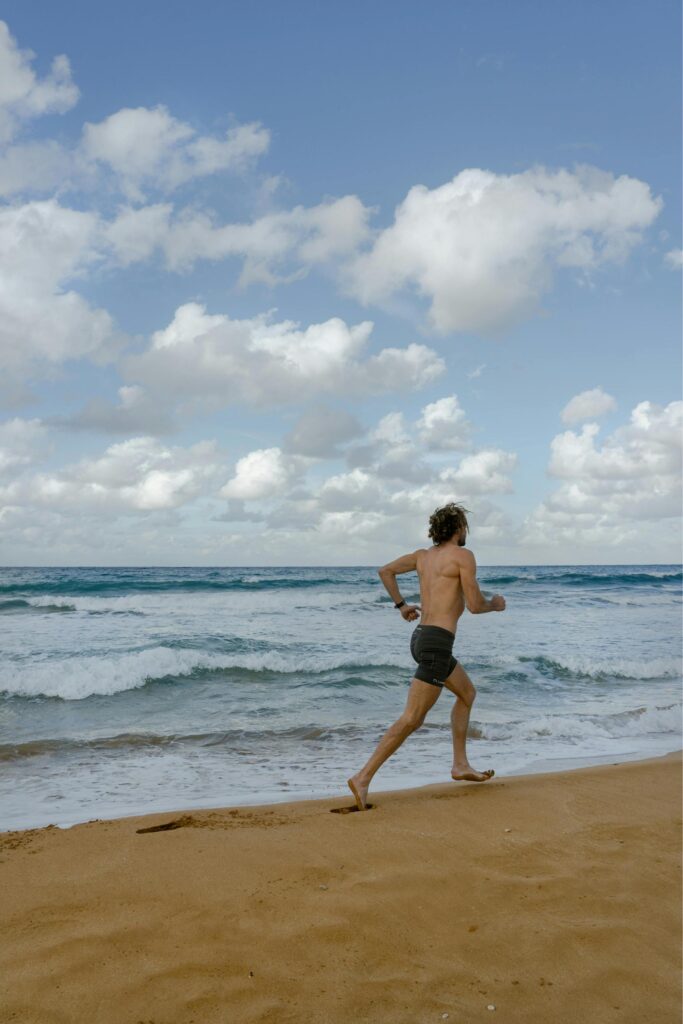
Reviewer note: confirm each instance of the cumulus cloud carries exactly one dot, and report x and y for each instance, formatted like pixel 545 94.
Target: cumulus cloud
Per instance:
pixel 482 472
pixel 376 500
pixel 610 489
pixel 23 95
pixel 357 491
pixel 263 473
pixel 277 247
pixel 390 451
pixel 43 248
pixel 212 359
pixel 444 425
pixel 148 147
pixel 482 248
pixel 135 152
pixel 136 476
pixel 402 523
pixel 674 259
pixel 588 405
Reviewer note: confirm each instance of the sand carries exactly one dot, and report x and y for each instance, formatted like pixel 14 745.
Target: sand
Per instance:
pixel 553 898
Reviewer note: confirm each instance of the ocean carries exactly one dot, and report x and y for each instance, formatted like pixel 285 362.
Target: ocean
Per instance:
pixel 126 691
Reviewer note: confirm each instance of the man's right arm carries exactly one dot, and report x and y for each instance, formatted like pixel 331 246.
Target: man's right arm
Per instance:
pixel 474 599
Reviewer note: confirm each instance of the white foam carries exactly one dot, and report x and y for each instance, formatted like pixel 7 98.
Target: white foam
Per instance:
pixel 134 604
pixel 79 677
pixel 577 729
pixel 592 667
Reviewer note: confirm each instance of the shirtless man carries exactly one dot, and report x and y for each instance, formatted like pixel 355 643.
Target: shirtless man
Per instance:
pixel 448 583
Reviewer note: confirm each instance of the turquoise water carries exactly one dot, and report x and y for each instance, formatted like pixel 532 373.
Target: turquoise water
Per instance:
pixel 124 691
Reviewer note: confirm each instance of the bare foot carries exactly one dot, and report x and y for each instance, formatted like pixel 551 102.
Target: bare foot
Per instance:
pixel 466 773
pixel 359 790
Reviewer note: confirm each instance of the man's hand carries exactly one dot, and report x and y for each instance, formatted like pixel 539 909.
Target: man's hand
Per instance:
pixel 497 603
pixel 410 612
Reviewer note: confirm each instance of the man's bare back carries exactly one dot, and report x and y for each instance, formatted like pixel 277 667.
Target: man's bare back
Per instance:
pixel 448 583
pixel 442 599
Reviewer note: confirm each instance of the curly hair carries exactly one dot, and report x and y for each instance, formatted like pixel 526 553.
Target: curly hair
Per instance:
pixel 446 521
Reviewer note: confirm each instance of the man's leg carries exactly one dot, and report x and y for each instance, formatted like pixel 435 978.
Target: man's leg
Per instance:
pixel 421 697
pixel 462 686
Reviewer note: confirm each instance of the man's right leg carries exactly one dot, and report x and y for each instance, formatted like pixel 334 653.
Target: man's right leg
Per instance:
pixel 421 697
pixel 459 683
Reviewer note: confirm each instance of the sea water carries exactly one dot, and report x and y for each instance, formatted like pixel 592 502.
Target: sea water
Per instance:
pixel 125 691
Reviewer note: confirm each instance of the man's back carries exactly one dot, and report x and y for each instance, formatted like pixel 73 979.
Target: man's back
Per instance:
pixel 442 599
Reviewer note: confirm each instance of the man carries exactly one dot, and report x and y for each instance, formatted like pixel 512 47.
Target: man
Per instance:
pixel 447 574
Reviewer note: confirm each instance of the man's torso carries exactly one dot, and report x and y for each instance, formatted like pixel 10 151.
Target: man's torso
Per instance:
pixel 441 596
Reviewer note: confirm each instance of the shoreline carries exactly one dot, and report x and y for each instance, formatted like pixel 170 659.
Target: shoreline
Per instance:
pixel 423 789
pixel 552 896
pixel 546 766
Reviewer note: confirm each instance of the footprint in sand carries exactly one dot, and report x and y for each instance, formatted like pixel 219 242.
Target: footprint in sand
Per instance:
pixel 349 810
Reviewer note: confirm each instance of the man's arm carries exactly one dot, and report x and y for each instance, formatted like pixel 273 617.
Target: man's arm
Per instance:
pixel 474 599
pixel 388 574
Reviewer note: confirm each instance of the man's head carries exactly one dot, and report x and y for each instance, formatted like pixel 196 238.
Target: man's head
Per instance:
pixel 449 523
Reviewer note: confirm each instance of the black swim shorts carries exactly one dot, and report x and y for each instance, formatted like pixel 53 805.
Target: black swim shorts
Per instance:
pixel 432 649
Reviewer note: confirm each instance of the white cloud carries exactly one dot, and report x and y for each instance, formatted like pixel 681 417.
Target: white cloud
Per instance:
pixel 674 259
pixel 22 442
pixel 148 147
pixel 264 473
pixel 357 491
pixel 43 247
pixel 391 430
pixel 390 451
pixel 401 523
pixel 277 247
pixel 483 472
pixel 23 95
pixel 135 476
pixel 481 248
pixel 134 152
pixel 378 502
pixel 588 405
pixel 609 491
pixel 220 362
pixel 444 425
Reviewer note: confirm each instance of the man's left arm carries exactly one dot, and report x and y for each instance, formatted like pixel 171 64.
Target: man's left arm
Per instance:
pixel 388 574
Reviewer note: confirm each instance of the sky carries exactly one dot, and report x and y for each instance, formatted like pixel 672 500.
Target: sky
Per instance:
pixel 279 279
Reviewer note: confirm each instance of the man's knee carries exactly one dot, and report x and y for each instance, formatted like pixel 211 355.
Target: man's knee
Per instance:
pixel 468 693
pixel 411 720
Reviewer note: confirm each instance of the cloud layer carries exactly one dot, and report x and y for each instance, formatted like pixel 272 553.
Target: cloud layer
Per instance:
pixel 482 248
pixel 609 490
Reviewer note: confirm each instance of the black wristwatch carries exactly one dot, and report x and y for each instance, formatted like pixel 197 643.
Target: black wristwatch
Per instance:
pixel 400 604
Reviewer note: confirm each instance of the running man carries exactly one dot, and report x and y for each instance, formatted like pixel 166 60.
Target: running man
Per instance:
pixel 448 583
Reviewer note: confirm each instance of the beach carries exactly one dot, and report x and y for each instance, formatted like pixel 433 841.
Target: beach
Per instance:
pixel 530 898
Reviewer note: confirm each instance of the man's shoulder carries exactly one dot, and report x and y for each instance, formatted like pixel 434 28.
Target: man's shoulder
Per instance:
pixel 465 558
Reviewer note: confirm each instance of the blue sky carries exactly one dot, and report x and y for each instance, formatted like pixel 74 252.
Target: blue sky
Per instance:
pixel 495 187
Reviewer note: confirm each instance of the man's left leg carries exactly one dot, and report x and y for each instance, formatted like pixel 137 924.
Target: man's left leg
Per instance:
pixel 459 683
pixel 421 697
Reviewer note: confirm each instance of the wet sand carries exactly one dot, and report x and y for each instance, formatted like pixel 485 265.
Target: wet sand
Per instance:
pixel 553 898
